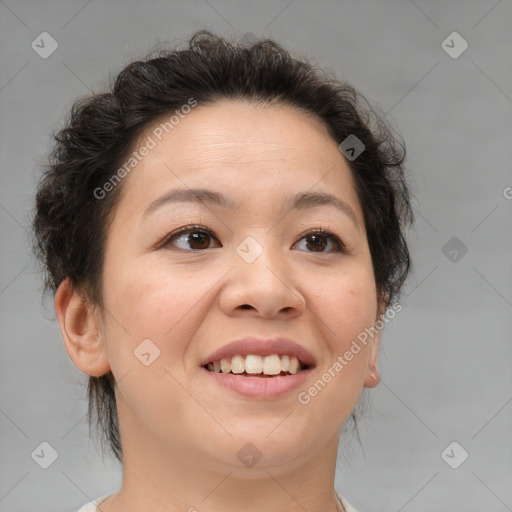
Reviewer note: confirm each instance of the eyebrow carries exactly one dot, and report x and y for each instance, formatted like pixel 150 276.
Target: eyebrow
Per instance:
pixel 300 201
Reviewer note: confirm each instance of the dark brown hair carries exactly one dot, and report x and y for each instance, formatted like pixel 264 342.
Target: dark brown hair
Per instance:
pixel 70 224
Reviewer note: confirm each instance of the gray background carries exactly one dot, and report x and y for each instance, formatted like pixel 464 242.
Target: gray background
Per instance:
pixel 446 357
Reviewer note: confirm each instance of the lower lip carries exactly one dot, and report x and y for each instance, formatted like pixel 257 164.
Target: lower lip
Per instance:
pixel 260 387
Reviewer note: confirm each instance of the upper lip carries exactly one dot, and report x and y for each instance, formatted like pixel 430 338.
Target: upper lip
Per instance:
pixel 261 347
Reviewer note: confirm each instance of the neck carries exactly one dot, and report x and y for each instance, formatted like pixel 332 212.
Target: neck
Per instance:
pixel 175 478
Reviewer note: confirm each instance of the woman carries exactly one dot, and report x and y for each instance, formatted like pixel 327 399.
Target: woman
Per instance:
pixel 224 233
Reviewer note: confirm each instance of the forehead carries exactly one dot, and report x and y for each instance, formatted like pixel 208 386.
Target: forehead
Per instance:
pixel 242 129
pixel 254 149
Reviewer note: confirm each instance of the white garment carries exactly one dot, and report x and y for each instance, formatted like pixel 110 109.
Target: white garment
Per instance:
pixel 93 505
pixel 346 505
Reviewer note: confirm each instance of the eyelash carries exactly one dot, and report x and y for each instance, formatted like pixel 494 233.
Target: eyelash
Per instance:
pixel 339 245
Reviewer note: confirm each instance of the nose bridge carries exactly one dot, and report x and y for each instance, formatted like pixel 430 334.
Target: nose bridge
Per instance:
pixel 262 278
pixel 259 259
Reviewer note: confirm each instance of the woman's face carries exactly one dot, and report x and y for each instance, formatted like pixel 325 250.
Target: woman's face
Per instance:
pixel 251 271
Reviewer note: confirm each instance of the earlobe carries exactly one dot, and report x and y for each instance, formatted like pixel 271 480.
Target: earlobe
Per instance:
pixel 382 305
pixel 80 332
pixel 372 377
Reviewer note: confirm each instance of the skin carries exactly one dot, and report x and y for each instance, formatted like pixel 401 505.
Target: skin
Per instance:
pixel 181 434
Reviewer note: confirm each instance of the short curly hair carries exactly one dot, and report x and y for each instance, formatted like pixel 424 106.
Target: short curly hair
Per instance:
pixel 70 224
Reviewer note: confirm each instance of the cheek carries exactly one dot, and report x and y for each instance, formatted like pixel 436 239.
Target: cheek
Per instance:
pixel 345 302
pixel 158 303
pixel 154 314
pixel 344 306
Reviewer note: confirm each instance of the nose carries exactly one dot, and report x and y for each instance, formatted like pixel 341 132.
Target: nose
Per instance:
pixel 265 287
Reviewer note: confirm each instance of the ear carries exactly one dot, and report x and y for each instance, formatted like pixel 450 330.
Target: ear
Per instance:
pixel 80 331
pixel 372 377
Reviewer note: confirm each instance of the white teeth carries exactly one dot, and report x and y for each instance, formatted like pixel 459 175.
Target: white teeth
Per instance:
pixel 225 365
pixel 294 365
pixel 254 364
pixel 271 365
pixel 237 364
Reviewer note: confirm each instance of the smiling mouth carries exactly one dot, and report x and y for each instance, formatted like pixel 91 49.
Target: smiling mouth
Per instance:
pixel 275 365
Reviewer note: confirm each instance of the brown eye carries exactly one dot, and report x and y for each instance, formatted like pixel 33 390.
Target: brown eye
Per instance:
pixel 191 238
pixel 317 243
pixel 319 240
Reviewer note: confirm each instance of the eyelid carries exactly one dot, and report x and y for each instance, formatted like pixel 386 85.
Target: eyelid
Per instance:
pixel 191 228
